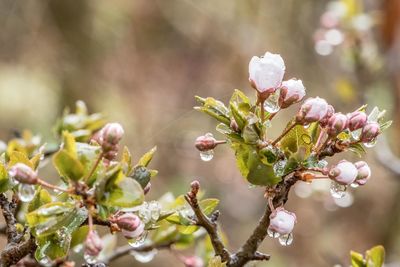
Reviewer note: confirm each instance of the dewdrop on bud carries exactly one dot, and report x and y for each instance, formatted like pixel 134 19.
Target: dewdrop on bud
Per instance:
pixel 364 172
pixel 369 133
pixel 266 73
pixel 292 91
pixel 344 172
pixel 357 120
pixel 312 110
pixel 112 133
pixel 192 261
pixel 93 246
pixel 23 174
pixel 336 124
pixel 281 221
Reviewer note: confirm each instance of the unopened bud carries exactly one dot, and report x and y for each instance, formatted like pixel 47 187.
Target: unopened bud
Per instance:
pixel 139 228
pixel 312 110
pixel 205 142
pixel 336 124
pixel 234 126
pixel 324 121
pixel 195 185
pixel 369 132
pixel 344 172
pixel 292 91
pixel 93 244
pixel 23 174
pixel 357 120
pixel 193 261
pixel 112 133
pixel 128 222
pixel 282 221
pixel 364 172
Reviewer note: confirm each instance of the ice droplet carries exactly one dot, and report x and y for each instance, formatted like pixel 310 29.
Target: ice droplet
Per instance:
pixel 279 167
pixel 89 258
pixel 155 210
pixel 271 105
pixel 346 201
pixel 354 185
pixel 337 190
pixel 322 164
pixel 26 192
pixel 144 256
pixel 45 261
pixel 272 233
pixel 137 242
pixel 207 155
pixel 356 134
pixel 286 240
pixel 370 144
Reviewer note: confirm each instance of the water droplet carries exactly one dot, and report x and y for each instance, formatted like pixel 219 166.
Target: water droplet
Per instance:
pixel 272 234
pixel 144 256
pixel 207 155
pixel 137 242
pixel 356 134
pixel 306 126
pixel 46 261
pixel 286 240
pixel 337 190
pixel 145 213
pixel 267 124
pixel 155 210
pixel 370 144
pixel 279 167
pixel 78 248
pixel 252 186
pixel 209 135
pixel 89 258
pixel 322 164
pixel 303 189
pixel 346 201
pixel 271 105
pixel 26 192
pixel 354 185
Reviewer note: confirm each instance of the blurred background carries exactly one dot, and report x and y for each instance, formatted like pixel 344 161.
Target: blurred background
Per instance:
pixel 141 62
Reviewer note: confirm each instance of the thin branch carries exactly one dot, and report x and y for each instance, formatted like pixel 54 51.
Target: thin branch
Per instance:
pixel 13 253
pixel 8 209
pixel 209 225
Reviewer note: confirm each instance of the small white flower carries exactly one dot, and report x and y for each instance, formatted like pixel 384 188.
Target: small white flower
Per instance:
pixel 344 172
pixel 294 92
pixel 266 73
pixel 282 221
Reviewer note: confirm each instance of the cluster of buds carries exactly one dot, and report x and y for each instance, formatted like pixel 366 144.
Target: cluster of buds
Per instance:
pixel 23 174
pixel 130 225
pixel 346 173
pixel 93 244
pixel 266 76
pixel 109 137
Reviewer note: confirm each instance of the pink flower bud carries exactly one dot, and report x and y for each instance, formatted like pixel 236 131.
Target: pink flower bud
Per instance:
pixel 369 132
pixel 292 92
pixel 357 120
pixel 344 172
pixel 93 244
pixel 193 261
pixel 364 172
pixel 112 133
pixel 282 221
pixel 128 221
pixel 266 73
pixel 23 174
pixel 336 124
pixel 205 142
pixel 313 109
pixel 139 229
pixel 324 121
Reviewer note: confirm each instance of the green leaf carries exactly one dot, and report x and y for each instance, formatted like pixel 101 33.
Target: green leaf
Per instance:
pixel 54 246
pixel 357 259
pixel 19 157
pixel 384 125
pixel 208 205
pixel 239 105
pixel 375 257
pixel 79 235
pixel 214 108
pixel 296 138
pixel 42 197
pixel 126 161
pixel 68 166
pixel 259 173
pixel 142 175
pixel 147 157
pixel 250 134
pixel 70 144
pixel 4 181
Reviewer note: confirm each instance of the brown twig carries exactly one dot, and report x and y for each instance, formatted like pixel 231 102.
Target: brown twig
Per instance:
pixel 209 225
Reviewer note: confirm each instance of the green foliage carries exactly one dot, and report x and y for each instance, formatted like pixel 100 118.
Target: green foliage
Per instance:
pixel 374 257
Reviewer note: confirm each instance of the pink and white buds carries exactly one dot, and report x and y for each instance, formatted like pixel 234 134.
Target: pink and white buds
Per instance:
pixel 312 110
pixel 112 133
pixel 364 172
pixel 337 123
pixel 357 120
pixel 193 261
pixel 23 174
pixel 369 132
pixel 282 221
pixel 131 225
pixel 266 73
pixel 93 244
pixel 292 91
pixel 344 172
pixel 205 142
